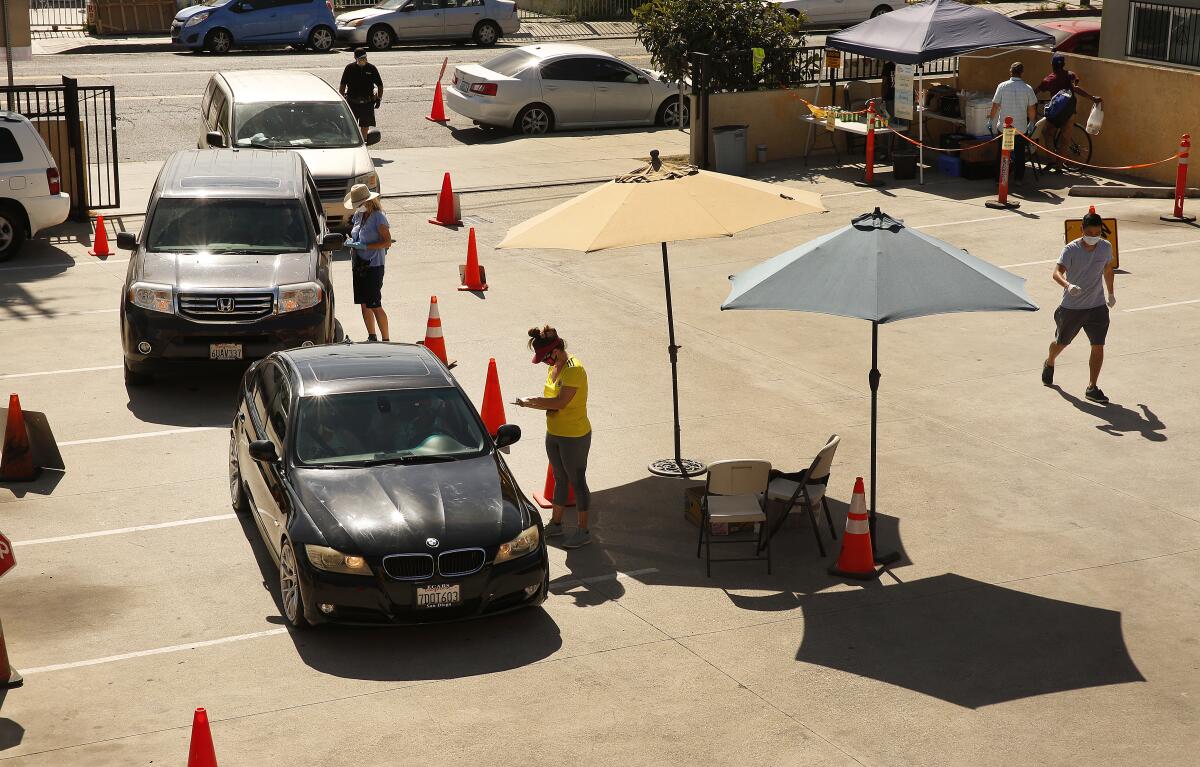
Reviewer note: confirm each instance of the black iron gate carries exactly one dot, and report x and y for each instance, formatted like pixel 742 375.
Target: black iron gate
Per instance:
pixel 79 125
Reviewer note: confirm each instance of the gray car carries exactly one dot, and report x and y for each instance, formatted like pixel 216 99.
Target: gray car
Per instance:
pixel 393 21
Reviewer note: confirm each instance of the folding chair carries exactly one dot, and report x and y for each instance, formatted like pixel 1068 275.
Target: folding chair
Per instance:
pixel 807 488
pixel 733 494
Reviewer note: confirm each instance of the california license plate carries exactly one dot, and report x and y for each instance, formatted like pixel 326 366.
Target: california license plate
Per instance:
pixel 464 86
pixel 224 351
pixel 445 595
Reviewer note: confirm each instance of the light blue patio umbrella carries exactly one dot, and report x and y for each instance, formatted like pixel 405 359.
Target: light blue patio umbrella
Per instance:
pixel 877 269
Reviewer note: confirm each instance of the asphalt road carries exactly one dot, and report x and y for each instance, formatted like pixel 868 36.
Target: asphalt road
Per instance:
pixel 158 93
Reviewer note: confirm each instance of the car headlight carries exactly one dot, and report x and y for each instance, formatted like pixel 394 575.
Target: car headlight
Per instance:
pixel 304 295
pixel 334 561
pixel 199 17
pixel 357 23
pixel 370 179
pixel 156 298
pixel 524 543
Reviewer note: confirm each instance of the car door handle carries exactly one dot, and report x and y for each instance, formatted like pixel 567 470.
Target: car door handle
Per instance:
pixel 601 87
pixel 550 87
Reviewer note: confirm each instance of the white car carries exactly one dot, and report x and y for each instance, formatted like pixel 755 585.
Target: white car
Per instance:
pixel 538 88
pixel 820 13
pixel 31 195
pixel 392 21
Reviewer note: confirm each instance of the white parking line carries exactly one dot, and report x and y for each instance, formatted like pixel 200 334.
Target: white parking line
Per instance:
pixel 1156 247
pixel 1164 306
pixel 122 530
pixel 58 372
pixel 155 651
pixel 140 435
pixel 565 585
pixel 1029 263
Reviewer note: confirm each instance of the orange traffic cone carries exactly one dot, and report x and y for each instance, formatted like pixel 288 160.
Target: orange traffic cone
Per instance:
pixel 100 247
pixel 447 212
pixel 493 402
pixel 472 274
pixel 434 341
pixel 545 499
pixel 856 560
pixel 16 459
pixel 9 678
pixel 201 752
pixel 438 113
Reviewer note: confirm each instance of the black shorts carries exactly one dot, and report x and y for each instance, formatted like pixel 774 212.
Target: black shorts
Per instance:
pixel 1093 322
pixel 368 286
pixel 364 112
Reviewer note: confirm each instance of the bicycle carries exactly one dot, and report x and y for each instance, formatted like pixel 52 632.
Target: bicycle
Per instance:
pixel 1071 142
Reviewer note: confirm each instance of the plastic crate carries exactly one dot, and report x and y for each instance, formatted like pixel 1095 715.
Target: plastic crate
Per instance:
pixel 949 166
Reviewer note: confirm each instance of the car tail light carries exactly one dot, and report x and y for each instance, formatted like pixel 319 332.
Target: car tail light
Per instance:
pixel 329 5
pixel 53 181
pixel 484 89
pixel 455 80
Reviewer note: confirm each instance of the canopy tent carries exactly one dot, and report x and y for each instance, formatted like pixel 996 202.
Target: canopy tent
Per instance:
pixel 933 30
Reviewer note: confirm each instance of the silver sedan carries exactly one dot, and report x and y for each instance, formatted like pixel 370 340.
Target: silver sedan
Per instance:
pixel 391 21
pixel 538 88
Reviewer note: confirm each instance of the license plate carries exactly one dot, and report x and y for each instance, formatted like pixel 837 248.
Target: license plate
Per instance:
pixel 224 351
pixel 464 86
pixel 445 595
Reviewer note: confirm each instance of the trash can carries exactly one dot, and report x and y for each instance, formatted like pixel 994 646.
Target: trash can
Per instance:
pixel 729 144
pixel 904 164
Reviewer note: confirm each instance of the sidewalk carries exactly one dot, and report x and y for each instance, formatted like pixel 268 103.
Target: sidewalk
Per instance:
pixel 510 163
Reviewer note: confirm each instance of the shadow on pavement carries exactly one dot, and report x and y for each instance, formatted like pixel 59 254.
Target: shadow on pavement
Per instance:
pixel 1119 420
pixel 44 484
pixel 11 733
pixel 204 397
pixel 966 642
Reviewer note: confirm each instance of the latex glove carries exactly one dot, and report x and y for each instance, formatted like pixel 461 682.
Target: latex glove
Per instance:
pixel 355 245
pixel 1029 129
pixel 1112 300
pixel 989 127
pixel 1074 290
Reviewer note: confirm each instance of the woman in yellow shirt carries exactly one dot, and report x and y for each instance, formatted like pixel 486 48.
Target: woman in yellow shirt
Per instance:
pixel 568 431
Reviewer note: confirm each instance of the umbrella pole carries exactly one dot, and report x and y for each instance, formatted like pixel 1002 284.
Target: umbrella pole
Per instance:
pixel 677 466
pixel 921 149
pixel 890 557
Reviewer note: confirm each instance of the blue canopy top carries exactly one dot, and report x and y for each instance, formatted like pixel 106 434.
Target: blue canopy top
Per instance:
pixel 933 30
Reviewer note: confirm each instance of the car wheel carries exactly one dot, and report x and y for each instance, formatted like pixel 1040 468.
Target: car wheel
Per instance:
pixel 545 590
pixel 380 38
pixel 535 120
pixel 134 378
pixel 219 41
pixel 486 34
pixel 880 10
pixel 237 491
pixel 12 231
pixel 321 39
pixel 670 112
pixel 339 333
pixel 290 595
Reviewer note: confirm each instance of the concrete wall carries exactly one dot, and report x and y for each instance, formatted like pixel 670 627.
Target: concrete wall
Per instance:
pixel 1146 107
pixel 18 36
pixel 1114 25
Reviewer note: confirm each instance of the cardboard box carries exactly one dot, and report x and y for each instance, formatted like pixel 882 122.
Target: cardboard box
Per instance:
pixel 691 510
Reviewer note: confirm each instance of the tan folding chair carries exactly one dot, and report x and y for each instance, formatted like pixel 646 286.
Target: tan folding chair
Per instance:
pixel 733 494
pixel 807 488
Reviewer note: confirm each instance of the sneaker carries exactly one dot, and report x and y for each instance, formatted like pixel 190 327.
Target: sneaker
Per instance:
pixel 554 529
pixel 1047 375
pixel 1094 394
pixel 580 539
pixel 371 338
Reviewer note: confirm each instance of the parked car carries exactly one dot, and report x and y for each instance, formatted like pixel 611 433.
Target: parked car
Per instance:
pixel 233 263
pixel 1078 36
pixel 31 195
pixel 391 21
pixel 378 492
pixel 831 13
pixel 220 26
pixel 538 88
pixel 292 110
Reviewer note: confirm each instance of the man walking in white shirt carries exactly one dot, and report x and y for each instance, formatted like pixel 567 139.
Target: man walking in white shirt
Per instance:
pixel 1014 98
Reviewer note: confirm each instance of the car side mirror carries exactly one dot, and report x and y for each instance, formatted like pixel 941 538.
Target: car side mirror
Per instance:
pixel 333 241
pixel 408 8
pixel 214 139
pixel 126 241
pixel 643 81
pixel 263 451
pixel 373 136
pixel 507 434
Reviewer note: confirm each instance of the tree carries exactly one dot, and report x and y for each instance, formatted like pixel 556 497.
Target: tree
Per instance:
pixel 670 29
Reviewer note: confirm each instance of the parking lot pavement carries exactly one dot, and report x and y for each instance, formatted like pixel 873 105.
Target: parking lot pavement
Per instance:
pixel 1040 614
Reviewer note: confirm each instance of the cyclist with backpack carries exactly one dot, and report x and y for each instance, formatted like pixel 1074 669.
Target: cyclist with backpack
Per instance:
pixel 1062 84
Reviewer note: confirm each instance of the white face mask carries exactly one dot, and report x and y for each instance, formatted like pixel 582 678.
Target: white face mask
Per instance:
pixel 1091 240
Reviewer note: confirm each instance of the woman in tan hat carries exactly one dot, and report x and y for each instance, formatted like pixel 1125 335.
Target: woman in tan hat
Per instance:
pixel 370 238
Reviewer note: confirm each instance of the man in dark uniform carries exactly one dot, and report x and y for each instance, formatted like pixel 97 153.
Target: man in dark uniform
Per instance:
pixel 363 89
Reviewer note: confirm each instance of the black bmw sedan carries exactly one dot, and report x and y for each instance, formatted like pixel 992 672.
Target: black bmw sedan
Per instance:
pixel 378 491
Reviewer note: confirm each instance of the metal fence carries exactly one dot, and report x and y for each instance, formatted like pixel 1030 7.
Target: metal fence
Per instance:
pixel 796 67
pixel 1159 32
pixel 79 125
pixel 578 10
pixel 57 15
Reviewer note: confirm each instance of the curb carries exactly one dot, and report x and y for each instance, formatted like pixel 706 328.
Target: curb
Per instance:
pixel 1132 192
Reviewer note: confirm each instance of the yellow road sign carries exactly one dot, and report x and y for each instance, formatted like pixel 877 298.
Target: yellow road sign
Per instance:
pixel 1073 229
pixel 833 58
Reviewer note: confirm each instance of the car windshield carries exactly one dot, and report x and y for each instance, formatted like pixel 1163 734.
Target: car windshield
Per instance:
pixel 379 427
pixel 1060 35
pixel 215 225
pixel 390 5
pixel 511 62
pixel 213 3
pixel 296 124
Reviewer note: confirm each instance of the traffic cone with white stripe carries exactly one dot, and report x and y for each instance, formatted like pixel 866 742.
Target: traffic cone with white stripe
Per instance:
pixel 856 560
pixel 434 341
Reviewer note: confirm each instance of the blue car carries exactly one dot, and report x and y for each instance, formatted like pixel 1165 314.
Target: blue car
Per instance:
pixel 220 25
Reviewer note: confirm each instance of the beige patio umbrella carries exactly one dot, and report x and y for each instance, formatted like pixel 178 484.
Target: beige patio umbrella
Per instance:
pixel 662 202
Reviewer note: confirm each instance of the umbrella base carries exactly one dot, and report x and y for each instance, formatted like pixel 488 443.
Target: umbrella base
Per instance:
pixel 669 467
pixel 873 575
pixel 873 183
pixel 1178 219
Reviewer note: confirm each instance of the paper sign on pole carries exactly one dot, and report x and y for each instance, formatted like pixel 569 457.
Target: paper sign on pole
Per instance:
pixel 904 91
pixel 831 119
pixel 1073 230
pixel 833 58
pixel 1009 142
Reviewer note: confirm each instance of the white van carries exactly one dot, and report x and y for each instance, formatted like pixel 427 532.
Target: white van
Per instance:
pixel 266 109
pixel 31 195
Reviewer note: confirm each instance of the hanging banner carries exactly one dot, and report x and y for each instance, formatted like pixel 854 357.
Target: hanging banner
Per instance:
pixel 904 91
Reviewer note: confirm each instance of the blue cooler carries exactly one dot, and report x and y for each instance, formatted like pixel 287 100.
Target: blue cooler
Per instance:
pixel 948 165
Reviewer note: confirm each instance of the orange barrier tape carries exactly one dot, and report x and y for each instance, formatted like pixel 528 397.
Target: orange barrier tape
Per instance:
pixel 1102 167
pixel 916 143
